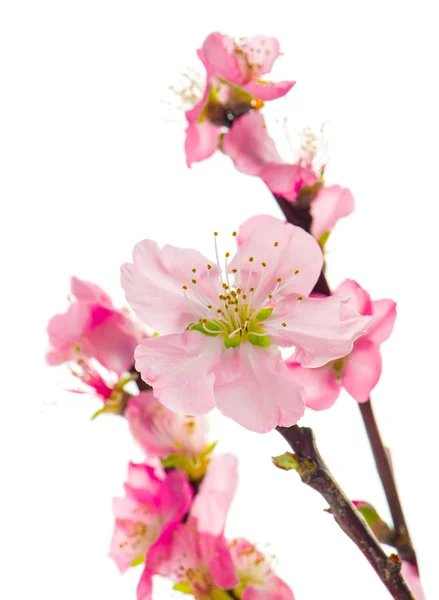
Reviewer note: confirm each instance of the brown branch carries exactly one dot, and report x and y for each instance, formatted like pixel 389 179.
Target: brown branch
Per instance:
pixel 314 473
pixel 402 540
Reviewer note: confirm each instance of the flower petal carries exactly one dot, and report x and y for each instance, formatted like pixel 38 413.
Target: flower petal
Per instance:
pixel 261 52
pixel 273 589
pixel 219 57
pixel 216 493
pixel 153 285
pixel 89 292
pixel 286 179
pixel 296 250
pixel 268 90
pixel 330 204
pixel 362 370
pixel 254 388
pixel 201 141
pixel 383 320
pixel 316 328
pixel 320 386
pixel 179 367
pixel 249 145
pixel 411 576
pixel 359 299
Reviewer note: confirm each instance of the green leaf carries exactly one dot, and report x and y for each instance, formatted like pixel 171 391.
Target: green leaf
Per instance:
pixel 98 412
pixel 199 327
pixel 184 587
pixel 285 461
pixel 210 448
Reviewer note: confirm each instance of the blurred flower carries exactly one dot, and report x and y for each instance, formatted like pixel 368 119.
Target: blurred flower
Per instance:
pixel 411 576
pixel 359 371
pixel 222 329
pixel 154 502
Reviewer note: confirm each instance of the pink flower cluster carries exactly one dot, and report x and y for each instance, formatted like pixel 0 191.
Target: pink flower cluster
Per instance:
pixel 95 340
pixel 174 532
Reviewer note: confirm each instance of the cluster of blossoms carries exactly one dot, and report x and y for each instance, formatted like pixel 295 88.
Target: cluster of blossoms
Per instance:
pixel 172 517
pixel 223 326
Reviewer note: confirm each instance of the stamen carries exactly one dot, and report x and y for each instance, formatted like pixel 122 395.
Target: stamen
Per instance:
pixel 276 244
pixel 226 268
pixel 194 270
pixel 235 332
pixel 215 235
pixel 208 330
pixel 238 258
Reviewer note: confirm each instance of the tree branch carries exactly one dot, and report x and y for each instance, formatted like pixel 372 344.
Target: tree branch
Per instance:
pixel 314 473
pixel 402 540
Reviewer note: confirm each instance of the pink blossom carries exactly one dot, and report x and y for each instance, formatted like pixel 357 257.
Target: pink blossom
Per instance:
pixel 411 576
pixel 254 152
pixel 154 502
pixel 258 581
pixel 92 329
pixel 161 432
pixel 222 327
pixel 199 564
pixel 359 371
pixel 217 490
pixel 233 87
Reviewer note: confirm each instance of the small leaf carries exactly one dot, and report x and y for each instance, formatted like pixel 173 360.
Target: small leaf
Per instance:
pixel 98 412
pixel 184 587
pixel 285 461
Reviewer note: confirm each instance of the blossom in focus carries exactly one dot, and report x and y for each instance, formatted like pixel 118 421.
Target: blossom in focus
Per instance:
pixel 234 86
pixel 411 576
pixel 179 440
pixel 155 501
pixel 257 579
pixel 92 329
pixel 222 324
pixel 359 371
pixel 253 152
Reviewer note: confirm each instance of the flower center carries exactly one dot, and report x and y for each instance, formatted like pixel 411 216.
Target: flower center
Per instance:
pixel 239 310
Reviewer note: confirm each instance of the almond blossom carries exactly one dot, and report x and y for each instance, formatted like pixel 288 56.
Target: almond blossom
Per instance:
pixel 233 87
pixel 221 325
pixel 154 502
pixel 253 152
pixel 162 432
pixel 257 578
pixel 360 370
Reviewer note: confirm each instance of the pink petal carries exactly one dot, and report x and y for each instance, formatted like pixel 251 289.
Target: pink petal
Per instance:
pixel 411 576
pixel 89 292
pixel 274 589
pixel 296 250
pixel 286 180
pixel 249 145
pixel 359 299
pixel 216 555
pixel 144 588
pixel 330 204
pixel 261 52
pixel 268 90
pixel 219 56
pixel 254 388
pixel 216 493
pixel 362 370
pixel 65 330
pixel 153 285
pixel 179 367
pixel 383 320
pixel 201 141
pixel 320 387
pixel 175 553
pixel 315 327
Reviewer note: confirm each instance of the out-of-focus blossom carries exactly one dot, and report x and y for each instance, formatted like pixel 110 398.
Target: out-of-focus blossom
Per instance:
pixel 359 371
pixel 222 326
pixel 234 86
pixel 257 579
pixel 155 501
pixel 179 440
pixel 411 576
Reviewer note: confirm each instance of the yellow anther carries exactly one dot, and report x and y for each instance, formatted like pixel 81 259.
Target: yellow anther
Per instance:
pixel 184 287
pixel 194 281
pixel 227 254
pixel 194 270
pixel 236 310
pixel 234 234
pixel 215 233
pixel 238 291
pixel 296 272
pixel 284 324
pixel 279 279
pixel 270 296
pixel 244 296
pixel 252 289
pixel 209 306
pixel 300 297
pixel 264 264
pixel 219 310
pixel 209 267
pixel 234 270
pixel 251 259
pixel 276 244
pixel 225 286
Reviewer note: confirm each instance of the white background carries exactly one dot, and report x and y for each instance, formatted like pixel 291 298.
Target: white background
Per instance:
pixel 90 164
